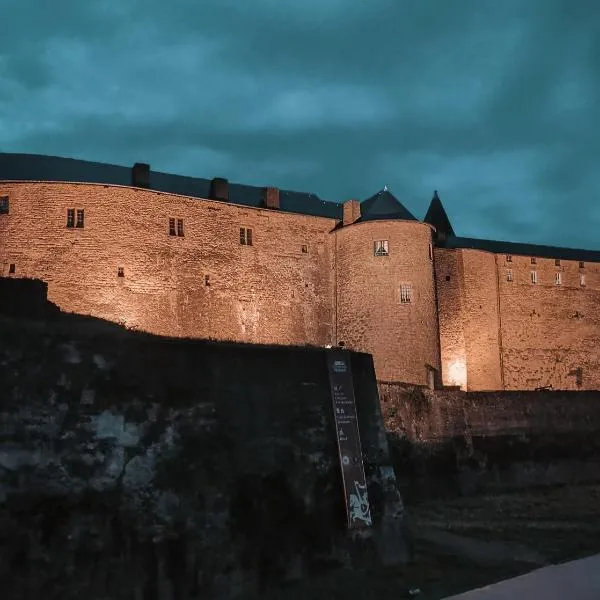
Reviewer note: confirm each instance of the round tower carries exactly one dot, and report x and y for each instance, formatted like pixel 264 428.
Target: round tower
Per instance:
pixel 385 297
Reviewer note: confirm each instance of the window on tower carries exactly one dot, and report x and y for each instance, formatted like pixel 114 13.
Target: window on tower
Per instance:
pixel 405 293
pixel 381 248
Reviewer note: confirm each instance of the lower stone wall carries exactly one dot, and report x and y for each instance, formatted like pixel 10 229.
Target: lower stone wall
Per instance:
pixel 140 467
pixel 447 442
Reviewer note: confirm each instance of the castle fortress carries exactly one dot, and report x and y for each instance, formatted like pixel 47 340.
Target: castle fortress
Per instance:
pixel 198 258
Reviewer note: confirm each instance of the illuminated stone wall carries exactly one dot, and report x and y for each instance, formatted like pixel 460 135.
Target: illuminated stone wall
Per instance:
pixel 451 310
pixel 402 337
pixel 205 284
pixel 515 334
pixel 550 331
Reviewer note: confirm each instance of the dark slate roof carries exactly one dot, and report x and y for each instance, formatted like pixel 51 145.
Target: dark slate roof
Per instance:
pixel 384 205
pixel 518 249
pixel 436 216
pixel 35 167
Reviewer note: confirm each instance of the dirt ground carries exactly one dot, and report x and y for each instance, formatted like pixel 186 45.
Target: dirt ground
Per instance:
pixel 464 543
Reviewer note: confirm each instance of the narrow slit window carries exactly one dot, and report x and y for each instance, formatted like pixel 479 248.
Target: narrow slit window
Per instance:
pixel 581 279
pixel 508 258
pixel 509 275
pixel 120 272
pixel 80 218
pixel 533 276
pixel 3 205
pixel 430 252
pixel 172 230
pixel 381 248
pixel 70 217
pixel 180 227
pixel 304 249
pixel 557 279
pixel 245 236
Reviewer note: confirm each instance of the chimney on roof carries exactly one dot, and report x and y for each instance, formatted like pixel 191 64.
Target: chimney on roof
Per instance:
pixel 351 212
pixel 219 189
pixel 140 175
pixel 271 197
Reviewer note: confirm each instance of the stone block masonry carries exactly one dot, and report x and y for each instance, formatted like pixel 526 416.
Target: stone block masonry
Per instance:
pixel 137 466
pixel 452 442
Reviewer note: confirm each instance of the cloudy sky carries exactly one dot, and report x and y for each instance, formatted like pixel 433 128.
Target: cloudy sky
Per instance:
pixel 496 104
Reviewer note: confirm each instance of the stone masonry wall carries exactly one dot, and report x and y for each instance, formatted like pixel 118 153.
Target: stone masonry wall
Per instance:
pixel 452 316
pixel 550 331
pixel 452 442
pixel 402 337
pixel 140 467
pixel 205 284
pixel 517 335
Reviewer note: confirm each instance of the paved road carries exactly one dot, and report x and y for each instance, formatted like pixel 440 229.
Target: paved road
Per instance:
pixel 577 580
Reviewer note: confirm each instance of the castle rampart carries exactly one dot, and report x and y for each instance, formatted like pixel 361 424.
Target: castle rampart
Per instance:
pixel 198 258
pixel 123 265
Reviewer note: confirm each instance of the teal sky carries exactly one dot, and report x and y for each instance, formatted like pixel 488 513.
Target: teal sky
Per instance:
pixel 494 104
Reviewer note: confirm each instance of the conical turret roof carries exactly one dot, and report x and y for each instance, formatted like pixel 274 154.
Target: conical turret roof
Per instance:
pixel 436 216
pixel 384 205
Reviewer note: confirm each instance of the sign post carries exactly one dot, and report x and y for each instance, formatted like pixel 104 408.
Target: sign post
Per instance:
pixel 348 437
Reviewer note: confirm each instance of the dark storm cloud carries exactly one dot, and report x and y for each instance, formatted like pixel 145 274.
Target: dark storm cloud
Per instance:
pixel 493 104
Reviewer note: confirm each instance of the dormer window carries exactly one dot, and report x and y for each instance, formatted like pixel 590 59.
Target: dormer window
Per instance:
pixel 3 205
pixel 381 248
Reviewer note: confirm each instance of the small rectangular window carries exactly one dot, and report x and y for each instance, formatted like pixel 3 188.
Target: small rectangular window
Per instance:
pixel 381 248
pixel 12 268
pixel 405 293
pixel 245 236
pixel 581 264
pixel 304 249
pixel 120 272
pixel 172 227
pixel 581 279
pixel 557 262
pixel 430 252
pixel 3 205
pixel 79 223
pixel 533 260
pixel 509 275
pixel 508 258
pixel 70 217
pixel 557 278
pixel 533 276
pixel 207 280
pixel 180 227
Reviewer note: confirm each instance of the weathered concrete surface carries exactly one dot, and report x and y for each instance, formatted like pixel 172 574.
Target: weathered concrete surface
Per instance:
pixel 577 580
pixel 450 442
pixel 157 469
